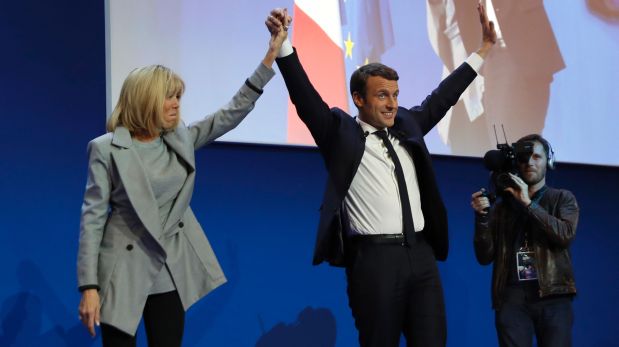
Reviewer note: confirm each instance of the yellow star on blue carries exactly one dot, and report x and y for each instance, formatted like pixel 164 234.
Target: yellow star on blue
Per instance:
pixel 349 45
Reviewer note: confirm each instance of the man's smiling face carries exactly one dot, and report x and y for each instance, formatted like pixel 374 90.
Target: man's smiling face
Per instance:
pixel 379 105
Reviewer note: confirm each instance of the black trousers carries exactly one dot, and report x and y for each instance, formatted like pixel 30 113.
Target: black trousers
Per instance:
pixel 524 314
pixel 164 321
pixel 395 289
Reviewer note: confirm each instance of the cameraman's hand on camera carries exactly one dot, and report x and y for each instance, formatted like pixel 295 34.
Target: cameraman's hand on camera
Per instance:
pixel 480 202
pixel 521 193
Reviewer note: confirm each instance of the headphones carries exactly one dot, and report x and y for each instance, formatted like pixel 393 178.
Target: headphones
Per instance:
pixel 550 153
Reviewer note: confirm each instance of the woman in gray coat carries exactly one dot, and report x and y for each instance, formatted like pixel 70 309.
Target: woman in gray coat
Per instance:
pixel 141 251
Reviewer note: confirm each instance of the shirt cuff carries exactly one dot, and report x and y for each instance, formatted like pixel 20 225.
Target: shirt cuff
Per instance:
pixel 285 49
pixel 88 286
pixel 474 60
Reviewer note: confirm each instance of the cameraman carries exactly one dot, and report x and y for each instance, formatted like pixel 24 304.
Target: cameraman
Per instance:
pixel 527 235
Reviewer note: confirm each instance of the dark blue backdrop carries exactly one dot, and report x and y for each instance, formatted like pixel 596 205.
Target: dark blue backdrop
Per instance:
pixel 258 205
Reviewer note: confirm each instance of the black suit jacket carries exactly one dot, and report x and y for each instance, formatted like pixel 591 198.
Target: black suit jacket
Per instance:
pixel 341 142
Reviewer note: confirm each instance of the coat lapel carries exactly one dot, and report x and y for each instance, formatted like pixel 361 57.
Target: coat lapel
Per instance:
pixel 406 136
pixel 179 142
pixel 138 187
pixel 135 182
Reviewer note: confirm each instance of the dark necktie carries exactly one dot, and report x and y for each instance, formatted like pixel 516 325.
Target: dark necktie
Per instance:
pixel 407 215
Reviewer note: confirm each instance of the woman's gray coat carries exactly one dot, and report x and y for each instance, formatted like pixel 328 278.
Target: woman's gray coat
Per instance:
pixel 122 245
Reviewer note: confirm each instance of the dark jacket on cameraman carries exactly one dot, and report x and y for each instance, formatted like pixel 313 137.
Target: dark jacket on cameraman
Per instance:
pixel 552 228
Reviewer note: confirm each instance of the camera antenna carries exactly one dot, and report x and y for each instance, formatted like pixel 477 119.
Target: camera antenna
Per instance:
pixel 496 137
pixel 504 135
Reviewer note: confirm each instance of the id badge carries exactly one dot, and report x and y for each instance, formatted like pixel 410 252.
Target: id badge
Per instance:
pixel 525 263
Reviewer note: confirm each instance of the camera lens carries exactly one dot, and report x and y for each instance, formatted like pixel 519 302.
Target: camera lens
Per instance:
pixel 503 180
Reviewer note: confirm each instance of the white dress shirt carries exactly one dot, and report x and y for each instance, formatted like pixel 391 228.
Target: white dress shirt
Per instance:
pixel 373 200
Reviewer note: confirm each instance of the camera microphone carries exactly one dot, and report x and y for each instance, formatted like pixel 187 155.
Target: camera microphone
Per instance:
pixel 494 159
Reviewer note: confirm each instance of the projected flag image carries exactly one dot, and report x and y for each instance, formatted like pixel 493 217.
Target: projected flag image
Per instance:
pixel 546 75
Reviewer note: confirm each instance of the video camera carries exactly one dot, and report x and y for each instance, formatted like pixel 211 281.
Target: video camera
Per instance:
pixel 504 160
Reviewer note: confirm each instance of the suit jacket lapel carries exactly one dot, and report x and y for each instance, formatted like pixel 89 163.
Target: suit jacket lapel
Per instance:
pixel 184 152
pixel 135 182
pixel 178 140
pixel 406 136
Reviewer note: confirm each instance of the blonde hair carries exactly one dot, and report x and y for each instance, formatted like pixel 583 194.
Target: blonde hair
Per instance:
pixel 140 104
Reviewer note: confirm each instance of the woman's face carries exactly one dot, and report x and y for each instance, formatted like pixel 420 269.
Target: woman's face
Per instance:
pixel 171 115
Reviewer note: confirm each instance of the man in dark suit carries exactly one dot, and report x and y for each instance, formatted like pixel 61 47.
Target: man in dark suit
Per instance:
pixel 382 217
